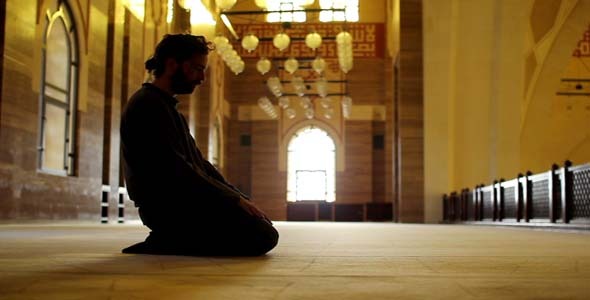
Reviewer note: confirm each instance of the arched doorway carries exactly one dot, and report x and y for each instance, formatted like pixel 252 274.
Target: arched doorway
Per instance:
pixel 311 166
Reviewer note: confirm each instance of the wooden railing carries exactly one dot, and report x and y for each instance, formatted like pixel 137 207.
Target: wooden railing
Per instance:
pixel 125 209
pixel 559 197
pixel 348 212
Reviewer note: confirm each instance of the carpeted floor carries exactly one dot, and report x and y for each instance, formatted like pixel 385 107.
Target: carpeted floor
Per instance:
pixel 312 261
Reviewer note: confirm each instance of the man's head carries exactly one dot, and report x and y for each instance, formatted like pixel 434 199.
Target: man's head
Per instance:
pixel 183 59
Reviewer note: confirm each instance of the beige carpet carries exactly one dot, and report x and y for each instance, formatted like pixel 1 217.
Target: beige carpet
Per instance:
pixel 312 261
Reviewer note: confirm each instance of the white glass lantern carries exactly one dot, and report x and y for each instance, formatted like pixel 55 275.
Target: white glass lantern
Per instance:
pixel 318 65
pixel 343 38
pixel 222 48
pixel 221 44
pixel 313 40
pixel 263 65
pixel 250 42
pixel 346 101
pixel 291 65
pixel 238 67
pixel 290 113
pixel 309 113
pixel 284 102
pixel 298 85
pixel 346 106
pixel 346 68
pixel 328 113
pixel 305 102
pixel 281 41
pixel 226 55
pixel 322 87
pixel 265 104
pixel 344 51
pixel 225 4
pixel 220 40
pixel 326 102
pixel 345 62
pixel 274 85
pixel 232 56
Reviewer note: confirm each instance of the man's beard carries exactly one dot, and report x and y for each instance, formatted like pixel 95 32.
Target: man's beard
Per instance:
pixel 180 85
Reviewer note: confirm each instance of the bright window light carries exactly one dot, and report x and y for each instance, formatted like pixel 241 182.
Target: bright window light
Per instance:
pixel 311 166
pixel 351 13
pixel 200 14
pixel 170 13
pixel 286 14
pixel 137 8
pixel 311 185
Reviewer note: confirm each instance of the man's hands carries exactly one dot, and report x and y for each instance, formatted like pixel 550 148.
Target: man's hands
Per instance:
pixel 250 208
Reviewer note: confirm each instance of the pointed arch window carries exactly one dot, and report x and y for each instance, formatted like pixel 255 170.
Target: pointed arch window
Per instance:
pixel 350 13
pixel 285 11
pixel 311 174
pixel 58 97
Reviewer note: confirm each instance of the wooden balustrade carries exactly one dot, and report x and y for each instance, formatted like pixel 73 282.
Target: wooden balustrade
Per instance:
pixel 346 212
pixel 559 197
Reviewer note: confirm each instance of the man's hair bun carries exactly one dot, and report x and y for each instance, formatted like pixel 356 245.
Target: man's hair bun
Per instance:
pixel 180 47
pixel 151 64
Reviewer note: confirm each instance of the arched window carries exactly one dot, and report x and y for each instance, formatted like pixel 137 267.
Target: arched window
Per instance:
pixel 58 93
pixel 283 11
pixel 311 166
pixel 350 13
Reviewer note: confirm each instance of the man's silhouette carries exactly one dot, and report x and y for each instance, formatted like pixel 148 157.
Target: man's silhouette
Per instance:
pixel 189 206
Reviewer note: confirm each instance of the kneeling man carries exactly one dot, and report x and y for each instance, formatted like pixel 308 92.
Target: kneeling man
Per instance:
pixel 189 206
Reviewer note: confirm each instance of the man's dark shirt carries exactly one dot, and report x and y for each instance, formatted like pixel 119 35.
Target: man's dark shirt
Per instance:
pixel 162 162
